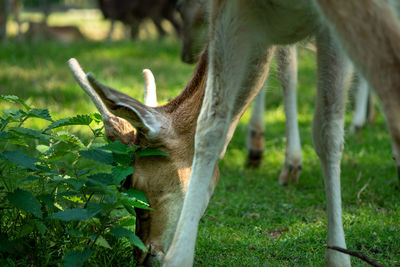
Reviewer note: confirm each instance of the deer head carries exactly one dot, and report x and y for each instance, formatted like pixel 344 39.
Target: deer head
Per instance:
pixel 194 28
pixel 169 128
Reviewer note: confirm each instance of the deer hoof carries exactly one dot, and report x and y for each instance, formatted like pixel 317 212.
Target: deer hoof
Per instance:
pixel 290 173
pixel 254 158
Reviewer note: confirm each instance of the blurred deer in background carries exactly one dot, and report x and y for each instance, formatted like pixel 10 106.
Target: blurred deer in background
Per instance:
pixel 133 12
pixel 6 6
pixel 63 34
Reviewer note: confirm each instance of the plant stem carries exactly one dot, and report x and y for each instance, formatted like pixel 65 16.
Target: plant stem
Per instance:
pixel 87 202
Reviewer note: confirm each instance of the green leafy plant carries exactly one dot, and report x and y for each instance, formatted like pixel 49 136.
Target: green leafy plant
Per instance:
pixel 61 198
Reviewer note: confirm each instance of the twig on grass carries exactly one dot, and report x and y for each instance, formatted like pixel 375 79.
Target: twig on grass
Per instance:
pixel 361 190
pixel 356 254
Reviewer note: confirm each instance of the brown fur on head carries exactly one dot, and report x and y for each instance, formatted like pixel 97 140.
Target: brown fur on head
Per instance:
pixel 164 180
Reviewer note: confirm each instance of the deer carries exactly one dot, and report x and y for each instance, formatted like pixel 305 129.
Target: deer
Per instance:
pixel 170 128
pixel 194 36
pixel 242 36
pixel 63 34
pixel 195 127
pixel 132 13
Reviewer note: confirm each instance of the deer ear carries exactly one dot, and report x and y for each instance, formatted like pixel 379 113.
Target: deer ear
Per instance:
pixel 146 120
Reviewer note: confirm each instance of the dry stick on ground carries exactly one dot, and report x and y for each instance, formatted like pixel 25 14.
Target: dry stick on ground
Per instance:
pixel 356 254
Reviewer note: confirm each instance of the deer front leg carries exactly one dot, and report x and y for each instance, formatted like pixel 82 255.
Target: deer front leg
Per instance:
pixel 333 76
pixel 237 69
pixel 255 135
pixel 287 68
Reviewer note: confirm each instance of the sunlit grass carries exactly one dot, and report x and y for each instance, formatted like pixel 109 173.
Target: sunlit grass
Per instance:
pixel 251 220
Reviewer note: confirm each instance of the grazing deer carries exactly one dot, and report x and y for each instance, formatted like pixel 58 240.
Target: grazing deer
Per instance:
pixel 63 34
pixel 170 128
pixel 195 128
pixel 133 12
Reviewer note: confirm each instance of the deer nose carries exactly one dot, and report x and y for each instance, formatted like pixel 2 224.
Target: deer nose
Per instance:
pixel 155 257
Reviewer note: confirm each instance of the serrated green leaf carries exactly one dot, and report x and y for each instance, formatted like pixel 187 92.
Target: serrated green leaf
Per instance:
pixel 30 133
pixel 116 147
pixel 40 113
pixel 134 203
pixel 95 208
pixel 76 214
pixel 121 232
pixel 129 209
pixel 151 152
pixel 96 117
pixel 101 241
pixel 25 201
pixel 97 155
pixel 20 158
pixel 124 159
pixel 12 139
pixel 127 221
pixel 3 123
pixel 41 227
pixel 76 258
pixel 47 199
pixel 137 194
pixel 76 183
pixel 13 114
pixel 43 149
pixel 77 120
pixel 14 99
pixel 101 178
pixel 69 138
pixel 119 173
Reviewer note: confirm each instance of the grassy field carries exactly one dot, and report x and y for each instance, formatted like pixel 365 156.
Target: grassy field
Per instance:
pixel 251 220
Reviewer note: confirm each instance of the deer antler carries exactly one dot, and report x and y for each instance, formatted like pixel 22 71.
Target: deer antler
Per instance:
pixel 150 94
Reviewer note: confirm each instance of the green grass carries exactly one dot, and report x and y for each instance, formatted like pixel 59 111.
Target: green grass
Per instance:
pixel 250 221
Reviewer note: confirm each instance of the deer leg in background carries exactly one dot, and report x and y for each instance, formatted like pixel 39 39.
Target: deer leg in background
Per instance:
pixel 255 135
pixel 287 69
pixel 4 12
pixel 371 29
pixel 328 124
pixel 133 24
pixel 160 29
pixel 16 9
pixel 45 10
pixel 110 30
pixel 360 105
pixel 177 26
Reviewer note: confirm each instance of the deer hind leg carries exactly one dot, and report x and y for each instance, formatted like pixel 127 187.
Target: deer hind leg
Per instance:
pixel 361 98
pixel 357 27
pixel 287 68
pixel 255 135
pixel 237 68
pixel 333 77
